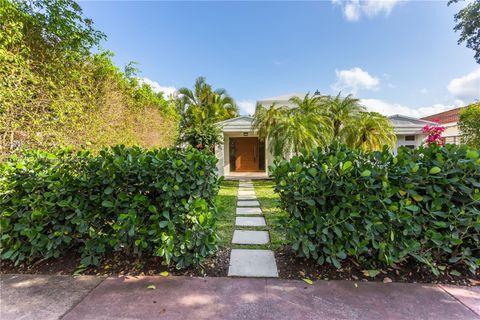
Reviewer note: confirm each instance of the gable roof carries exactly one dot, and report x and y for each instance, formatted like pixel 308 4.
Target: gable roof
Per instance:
pixel 408 125
pixel 242 123
pixel 281 100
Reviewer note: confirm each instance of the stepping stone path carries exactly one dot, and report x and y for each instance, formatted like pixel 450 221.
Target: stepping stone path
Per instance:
pixel 250 262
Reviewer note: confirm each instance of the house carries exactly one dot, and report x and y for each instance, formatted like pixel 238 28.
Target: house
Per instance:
pixel 409 131
pixel 243 154
pixel 449 120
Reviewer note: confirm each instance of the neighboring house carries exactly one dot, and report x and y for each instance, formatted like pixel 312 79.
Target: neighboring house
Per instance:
pixel 449 120
pixel 409 131
pixel 243 154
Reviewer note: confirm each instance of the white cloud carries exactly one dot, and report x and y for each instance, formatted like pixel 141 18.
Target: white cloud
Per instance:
pixel 354 9
pixel 388 109
pixel 353 80
pixel 466 89
pixel 156 87
pixel 246 106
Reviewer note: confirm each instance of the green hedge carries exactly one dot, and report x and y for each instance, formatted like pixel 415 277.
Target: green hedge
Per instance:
pixel 381 209
pixel 158 202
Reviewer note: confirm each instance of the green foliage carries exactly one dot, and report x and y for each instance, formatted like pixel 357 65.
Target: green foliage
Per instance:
pixel 370 131
pixel 203 104
pixel 468 23
pixel 54 91
pixel 381 209
pixel 291 130
pixel 469 125
pixel 201 107
pixel 203 137
pixel 319 121
pixel 156 202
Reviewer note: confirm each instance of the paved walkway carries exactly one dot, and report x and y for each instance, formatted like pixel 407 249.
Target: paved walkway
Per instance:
pixel 122 298
pixel 250 262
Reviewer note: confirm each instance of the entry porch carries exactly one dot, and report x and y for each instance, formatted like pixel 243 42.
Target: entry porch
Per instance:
pixel 242 154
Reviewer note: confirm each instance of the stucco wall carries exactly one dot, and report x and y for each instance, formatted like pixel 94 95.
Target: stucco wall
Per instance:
pixel 222 152
pixel 419 138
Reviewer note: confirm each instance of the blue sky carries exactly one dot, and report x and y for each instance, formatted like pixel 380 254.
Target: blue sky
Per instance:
pixel 397 56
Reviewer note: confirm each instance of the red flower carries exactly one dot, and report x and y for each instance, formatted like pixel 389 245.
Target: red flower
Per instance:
pixel 434 134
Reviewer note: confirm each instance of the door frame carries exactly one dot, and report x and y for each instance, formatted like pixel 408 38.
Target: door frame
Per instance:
pixel 232 159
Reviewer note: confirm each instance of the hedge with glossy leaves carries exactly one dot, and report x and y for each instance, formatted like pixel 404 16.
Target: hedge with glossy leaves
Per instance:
pixel 381 209
pixel 158 202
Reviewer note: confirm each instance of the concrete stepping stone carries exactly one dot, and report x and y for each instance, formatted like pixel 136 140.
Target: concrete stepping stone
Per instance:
pixel 252 263
pixel 248 197
pixel 246 192
pixel 245 185
pixel 250 237
pixel 248 203
pixel 246 189
pixel 250 221
pixel 248 210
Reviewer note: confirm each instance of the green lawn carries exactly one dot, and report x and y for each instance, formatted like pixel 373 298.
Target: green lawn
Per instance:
pixel 273 215
pixel 226 202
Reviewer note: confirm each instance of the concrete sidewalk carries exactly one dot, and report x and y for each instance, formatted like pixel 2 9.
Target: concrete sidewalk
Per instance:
pixel 65 297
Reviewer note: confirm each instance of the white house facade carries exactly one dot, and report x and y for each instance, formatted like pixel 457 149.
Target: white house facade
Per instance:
pixel 242 153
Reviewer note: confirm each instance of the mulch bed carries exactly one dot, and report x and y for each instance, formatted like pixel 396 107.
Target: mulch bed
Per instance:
pixel 121 264
pixel 289 267
pixel 292 267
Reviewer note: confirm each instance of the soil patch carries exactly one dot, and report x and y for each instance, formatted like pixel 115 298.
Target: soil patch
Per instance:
pixel 121 264
pixel 292 267
pixel 289 267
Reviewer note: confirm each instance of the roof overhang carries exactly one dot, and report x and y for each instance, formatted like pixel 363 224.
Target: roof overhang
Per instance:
pixel 238 124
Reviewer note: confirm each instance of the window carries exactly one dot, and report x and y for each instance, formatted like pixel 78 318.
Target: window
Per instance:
pixel 409 138
pixel 232 157
pixel 261 155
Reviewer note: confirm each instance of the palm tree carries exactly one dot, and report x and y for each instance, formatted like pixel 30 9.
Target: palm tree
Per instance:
pixel 292 130
pixel 371 132
pixel 343 112
pixel 203 104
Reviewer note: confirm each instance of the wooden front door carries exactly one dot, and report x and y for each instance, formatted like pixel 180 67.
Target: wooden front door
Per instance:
pixel 247 154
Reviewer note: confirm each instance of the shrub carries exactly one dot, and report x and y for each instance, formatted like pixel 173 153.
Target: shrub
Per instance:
pixel 156 202
pixel 468 124
pixel 381 209
pixel 204 137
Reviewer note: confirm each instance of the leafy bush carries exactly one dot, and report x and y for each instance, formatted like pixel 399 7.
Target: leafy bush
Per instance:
pixel 381 209
pixel 468 124
pixel 156 202
pixel 56 91
pixel 204 137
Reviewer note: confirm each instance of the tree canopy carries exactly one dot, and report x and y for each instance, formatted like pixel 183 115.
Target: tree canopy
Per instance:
pixel 468 24
pixel 199 109
pixel 204 104
pixel 469 124
pixel 319 121
pixel 56 91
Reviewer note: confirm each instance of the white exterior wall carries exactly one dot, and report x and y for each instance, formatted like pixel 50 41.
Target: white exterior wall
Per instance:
pixel 452 133
pixel 419 138
pixel 240 127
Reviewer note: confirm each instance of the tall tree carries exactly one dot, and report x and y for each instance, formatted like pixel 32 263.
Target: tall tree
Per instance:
pixel 343 111
pixel 371 132
pixel 203 104
pixel 470 125
pixel 292 130
pixel 320 120
pixel 468 24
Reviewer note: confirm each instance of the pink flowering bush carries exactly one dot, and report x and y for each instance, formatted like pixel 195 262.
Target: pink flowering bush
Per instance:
pixel 434 135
